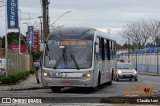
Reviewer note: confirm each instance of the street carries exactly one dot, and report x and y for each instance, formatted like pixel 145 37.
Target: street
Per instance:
pixel 116 89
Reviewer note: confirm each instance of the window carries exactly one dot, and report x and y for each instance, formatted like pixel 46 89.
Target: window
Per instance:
pixel 100 42
pixel 108 49
pixel 105 48
pixel 112 50
pixel 102 50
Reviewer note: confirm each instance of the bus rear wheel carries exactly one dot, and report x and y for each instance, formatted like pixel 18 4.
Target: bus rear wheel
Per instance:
pixel 56 89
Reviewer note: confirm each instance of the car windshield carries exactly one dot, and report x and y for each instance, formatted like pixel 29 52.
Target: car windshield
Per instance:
pixel 125 66
pixel 68 54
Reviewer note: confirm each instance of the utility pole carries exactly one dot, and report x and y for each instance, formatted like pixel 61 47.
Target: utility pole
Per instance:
pixel 45 4
pixel 157 50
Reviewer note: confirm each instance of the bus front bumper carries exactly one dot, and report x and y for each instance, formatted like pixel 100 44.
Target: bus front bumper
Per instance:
pixel 67 82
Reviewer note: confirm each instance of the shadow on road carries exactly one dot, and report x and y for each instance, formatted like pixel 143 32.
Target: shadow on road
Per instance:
pixel 125 80
pixel 82 90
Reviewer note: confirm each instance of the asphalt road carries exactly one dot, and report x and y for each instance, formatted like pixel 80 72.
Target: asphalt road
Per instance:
pixel 117 89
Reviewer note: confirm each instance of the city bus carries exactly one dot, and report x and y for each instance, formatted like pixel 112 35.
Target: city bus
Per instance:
pixel 78 57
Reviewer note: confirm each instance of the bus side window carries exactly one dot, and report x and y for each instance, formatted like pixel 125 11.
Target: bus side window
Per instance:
pixel 111 49
pixel 114 50
pixel 105 48
pixel 108 49
pixel 102 49
pixel 97 43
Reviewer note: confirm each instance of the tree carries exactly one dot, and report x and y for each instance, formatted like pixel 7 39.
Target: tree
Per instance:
pixel 136 33
pixel 36 55
pixel 154 31
pixel 12 38
pixel 118 46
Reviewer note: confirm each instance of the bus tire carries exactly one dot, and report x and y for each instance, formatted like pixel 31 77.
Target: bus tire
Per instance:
pixel 56 89
pixel 135 79
pixel 112 76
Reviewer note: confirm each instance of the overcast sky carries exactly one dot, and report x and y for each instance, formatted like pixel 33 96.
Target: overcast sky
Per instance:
pixel 100 14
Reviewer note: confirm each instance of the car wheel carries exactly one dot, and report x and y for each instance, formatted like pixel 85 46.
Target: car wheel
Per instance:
pixel 117 79
pixel 130 79
pixel 135 79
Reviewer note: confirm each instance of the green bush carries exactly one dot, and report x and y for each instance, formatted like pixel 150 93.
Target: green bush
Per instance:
pixel 27 73
pixel 20 75
pixel 6 80
pixel 32 71
pixel 13 78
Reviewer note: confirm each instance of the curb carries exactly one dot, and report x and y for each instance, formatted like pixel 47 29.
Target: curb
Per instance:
pixel 150 74
pixel 31 88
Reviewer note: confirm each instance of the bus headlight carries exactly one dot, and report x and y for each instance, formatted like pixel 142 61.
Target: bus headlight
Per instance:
pixel 87 74
pixel 45 74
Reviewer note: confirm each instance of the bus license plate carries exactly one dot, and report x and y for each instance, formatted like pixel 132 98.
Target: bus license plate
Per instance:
pixel 68 75
pixel 61 75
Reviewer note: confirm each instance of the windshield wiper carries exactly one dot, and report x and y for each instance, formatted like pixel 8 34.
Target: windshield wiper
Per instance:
pixel 74 60
pixel 65 59
pixel 59 60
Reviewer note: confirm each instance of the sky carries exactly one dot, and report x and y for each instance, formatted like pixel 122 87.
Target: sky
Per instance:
pixel 99 14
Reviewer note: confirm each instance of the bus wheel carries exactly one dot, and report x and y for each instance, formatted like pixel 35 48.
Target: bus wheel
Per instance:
pixel 135 79
pixel 112 75
pixel 56 89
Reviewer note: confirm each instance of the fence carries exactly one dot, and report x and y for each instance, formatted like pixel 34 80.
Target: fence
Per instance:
pixel 144 62
pixel 16 61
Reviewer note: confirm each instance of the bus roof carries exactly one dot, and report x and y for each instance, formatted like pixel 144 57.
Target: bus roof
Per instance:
pixel 72 32
pixel 82 32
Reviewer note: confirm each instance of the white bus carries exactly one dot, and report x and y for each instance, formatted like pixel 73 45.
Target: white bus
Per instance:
pixel 78 57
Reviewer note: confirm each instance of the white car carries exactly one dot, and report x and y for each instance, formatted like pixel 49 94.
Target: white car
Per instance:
pixel 126 71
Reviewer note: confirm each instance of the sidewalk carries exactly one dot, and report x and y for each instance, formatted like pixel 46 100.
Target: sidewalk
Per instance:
pixel 29 83
pixel 147 73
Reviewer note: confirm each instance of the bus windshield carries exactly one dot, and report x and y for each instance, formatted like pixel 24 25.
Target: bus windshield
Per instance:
pixel 68 54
